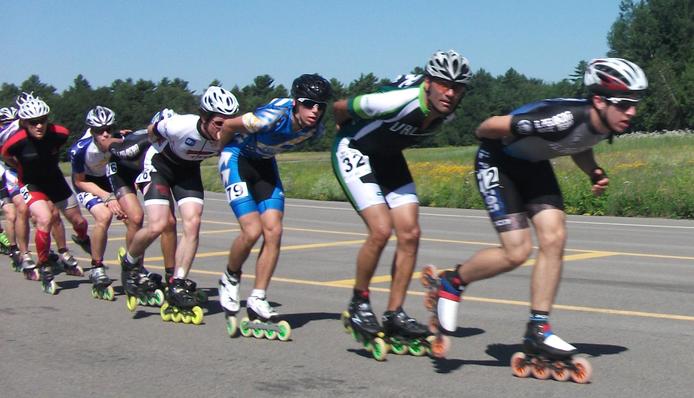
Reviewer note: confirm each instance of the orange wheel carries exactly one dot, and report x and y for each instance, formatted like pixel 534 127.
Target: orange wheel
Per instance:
pixel 519 367
pixel 430 300
pixel 433 325
pixel 428 273
pixel 539 370
pixel 560 372
pixel 583 370
pixel 440 346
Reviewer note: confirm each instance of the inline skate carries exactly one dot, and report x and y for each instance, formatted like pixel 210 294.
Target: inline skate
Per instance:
pixel 404 334
pixel 546 355
pixel 441 298
pixel 262 321
pixel 64 262
pixel 85 244
pixel 4 243
pixel 28 267
pixel 139 289
pixel 101 284
pixel 48 285
pixel 360 322
pixel 16 260
pixel 229 285
pixel 182 303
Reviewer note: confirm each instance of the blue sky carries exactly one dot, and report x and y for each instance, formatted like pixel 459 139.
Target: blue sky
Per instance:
pixel 235 41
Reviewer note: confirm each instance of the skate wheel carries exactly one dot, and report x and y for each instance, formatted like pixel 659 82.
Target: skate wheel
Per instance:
pixel 196 319
pixel 158 297
pixel 560 372
pixel 428 274
pixel 439 346
pixel 379 349
pixel 285 331
pixel 232 326
pixel 176 316
pixel 95 293
pixel 244 327
pixel 430 299
pixel 202 297
pixel 257 333
pixel 109 294
pixel 164 312
pixel 398 348
pixel 270 334
pixel 344 318
pixel 540 370
pixel 583 371
pixel 50 287
pixel 434 325
pixel 417 348
pixel 519 365
pixel 131 302
pixel 187 319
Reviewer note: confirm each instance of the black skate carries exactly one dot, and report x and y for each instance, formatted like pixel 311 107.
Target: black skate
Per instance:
pixel 360 321
pixel 48 285
pixel 64 262
pixel 547 355
pixel 263 321
pixel 182 303
pixel 139 290
pixel 405 334
pixel 431 280
pixel 85 244
pixel 101 284
pixel 16 261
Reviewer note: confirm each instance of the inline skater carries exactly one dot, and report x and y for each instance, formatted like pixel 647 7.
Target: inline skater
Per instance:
pixel 33 151
pixel 248 169
pixel 130 158
pixel 89 158
pixel 517 182
pixel 8 242
pixel 369 164
pixel 176 176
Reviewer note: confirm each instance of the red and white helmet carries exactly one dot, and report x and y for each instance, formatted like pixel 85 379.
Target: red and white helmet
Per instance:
pixel 614 76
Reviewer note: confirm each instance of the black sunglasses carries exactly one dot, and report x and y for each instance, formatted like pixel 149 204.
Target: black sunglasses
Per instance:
pixel 309 103
pixel 101 130
pixel 38 120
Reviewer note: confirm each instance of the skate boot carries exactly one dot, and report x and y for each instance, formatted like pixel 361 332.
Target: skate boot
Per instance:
pixel 48 285
pixel 360 321
pixel 69 264
pixel 101 284
pixel 16 261
pixel 29 267
pixel 4 243
pixel 182 304
pixel 155 278
pixel 263 321
pixel 442 299
pixel 229 285
pixel 138 289
pixel 548 355
pixel 405 334
pixel 85 244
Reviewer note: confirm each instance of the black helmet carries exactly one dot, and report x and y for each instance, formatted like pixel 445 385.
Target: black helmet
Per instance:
pixel 313 87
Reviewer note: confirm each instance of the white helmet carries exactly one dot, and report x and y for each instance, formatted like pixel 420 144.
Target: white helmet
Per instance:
pixel 614 76
pixel 161 115
pixel 31 107
pixel 8 114
pixel 219 100
pixel 24 97
pixel 449 65
pixel 100 116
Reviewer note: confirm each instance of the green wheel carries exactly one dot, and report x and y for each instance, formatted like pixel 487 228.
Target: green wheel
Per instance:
pixel 232 326
pixel 95 293
pixel 379 349
pixel 244 327
pixel 165 315
pixel 131 302
pixel 49 288
pixel 270 334
pixel 285 330
pixel 141 301
pixel 417 348
pixel 257 333
pixel 109 294
pixel 398 348
pixel 158 297
pixel 197 316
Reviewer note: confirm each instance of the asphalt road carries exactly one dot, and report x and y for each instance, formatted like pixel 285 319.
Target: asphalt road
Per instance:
pixel 626 301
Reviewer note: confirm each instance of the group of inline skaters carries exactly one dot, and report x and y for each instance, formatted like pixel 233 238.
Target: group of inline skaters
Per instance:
pixel 515 179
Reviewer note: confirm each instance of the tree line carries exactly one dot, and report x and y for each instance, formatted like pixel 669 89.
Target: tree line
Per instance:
pixel 655 34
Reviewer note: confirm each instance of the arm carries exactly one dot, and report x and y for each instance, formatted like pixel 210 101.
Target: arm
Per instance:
pixel 233 126
pixel 341 112
pixel 495 127
pixel 586 161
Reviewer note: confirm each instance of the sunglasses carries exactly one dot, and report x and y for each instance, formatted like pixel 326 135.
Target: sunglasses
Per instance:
pixel 623 104
pixel 309 103
pixel 101 130
pixel 38 120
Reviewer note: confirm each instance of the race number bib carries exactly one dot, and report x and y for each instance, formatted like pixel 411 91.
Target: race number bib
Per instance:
pixel 144 177
pixel 236 191
pixel 26 194
pixel 488 179
pixel 353 164
pixel 111 169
